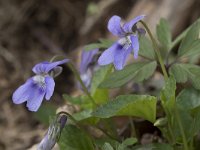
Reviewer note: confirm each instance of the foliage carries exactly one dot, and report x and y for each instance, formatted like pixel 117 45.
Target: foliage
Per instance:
pixel 129 105
pixel 74 138
pixel 175 111
pixel 136 72
pixel 164 34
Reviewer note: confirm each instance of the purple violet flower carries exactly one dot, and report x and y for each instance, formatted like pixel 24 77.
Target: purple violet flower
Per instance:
pixel 53 133
pixel 39 86
pixel 86 68
pixel 128 42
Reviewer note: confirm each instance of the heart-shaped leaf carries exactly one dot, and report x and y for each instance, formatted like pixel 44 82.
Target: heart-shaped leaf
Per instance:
pixel 129 105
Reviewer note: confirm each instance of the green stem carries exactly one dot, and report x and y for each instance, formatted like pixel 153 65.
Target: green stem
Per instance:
pixel 71 66
pixel 181 127
pixel 166 134
pixel 109 125
pixel 133 131
pixel 107 134
pixel 171 133
pixel 192 144
pixel 179 38
pixel 175 42
pixel 76 73
pixel 157 51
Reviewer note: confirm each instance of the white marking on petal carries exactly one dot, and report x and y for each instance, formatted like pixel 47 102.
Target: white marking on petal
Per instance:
pixel 125 42
pixel 122 41
pixel 39 80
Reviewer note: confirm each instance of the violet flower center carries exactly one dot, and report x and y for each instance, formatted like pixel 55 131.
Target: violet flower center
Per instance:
pixel 40 80
pixel 125 42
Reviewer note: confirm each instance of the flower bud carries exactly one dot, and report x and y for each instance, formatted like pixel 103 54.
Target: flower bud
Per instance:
pixel 53 133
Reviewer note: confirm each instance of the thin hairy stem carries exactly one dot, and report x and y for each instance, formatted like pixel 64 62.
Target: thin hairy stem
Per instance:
pixel 71 66
pixel 157 51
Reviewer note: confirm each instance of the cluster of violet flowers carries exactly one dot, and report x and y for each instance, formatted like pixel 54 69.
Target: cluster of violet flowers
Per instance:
pixel 42 84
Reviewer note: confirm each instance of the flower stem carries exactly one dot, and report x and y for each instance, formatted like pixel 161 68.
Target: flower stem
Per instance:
pixel 179 38
pixel 171 134
pixel 76 73
pixel 71 66
pixel 157 51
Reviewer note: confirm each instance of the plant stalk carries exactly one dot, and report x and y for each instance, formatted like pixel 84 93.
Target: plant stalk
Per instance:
pixel 71 66
pixel 181 127
pixel 157 51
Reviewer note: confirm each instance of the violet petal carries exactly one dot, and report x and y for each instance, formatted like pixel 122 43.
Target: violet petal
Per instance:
pixel 107 56
pixel 114 26
pixel 127 27
pixel 120 57
pixel 35 98
pixel 86 59
pixel 50 84
pixel 45 67
pixel 135 45
pixel 22 93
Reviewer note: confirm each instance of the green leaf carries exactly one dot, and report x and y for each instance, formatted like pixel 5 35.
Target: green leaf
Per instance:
pixel 92 46
pixel 82 115
pixel 107 146
pixel 99 142
pixel 45 112
pixel 73 100
pixel 100 95
pixel 146 48
pixel 99 76
pixel 85 116
pixel 129 105
pixel 82 101
pixel 136 72
pixel 189 98
pixel 164 34
pixel 156 146
pixel 185 72
pixel 123 146
pixel 190 45
pixel 196 122
pixel 105 43
pixel 184 104
pixel 168 93
pixel 127 142
pixel 73 138
pixel 189 101
pixel 187 123
pixel 183 34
